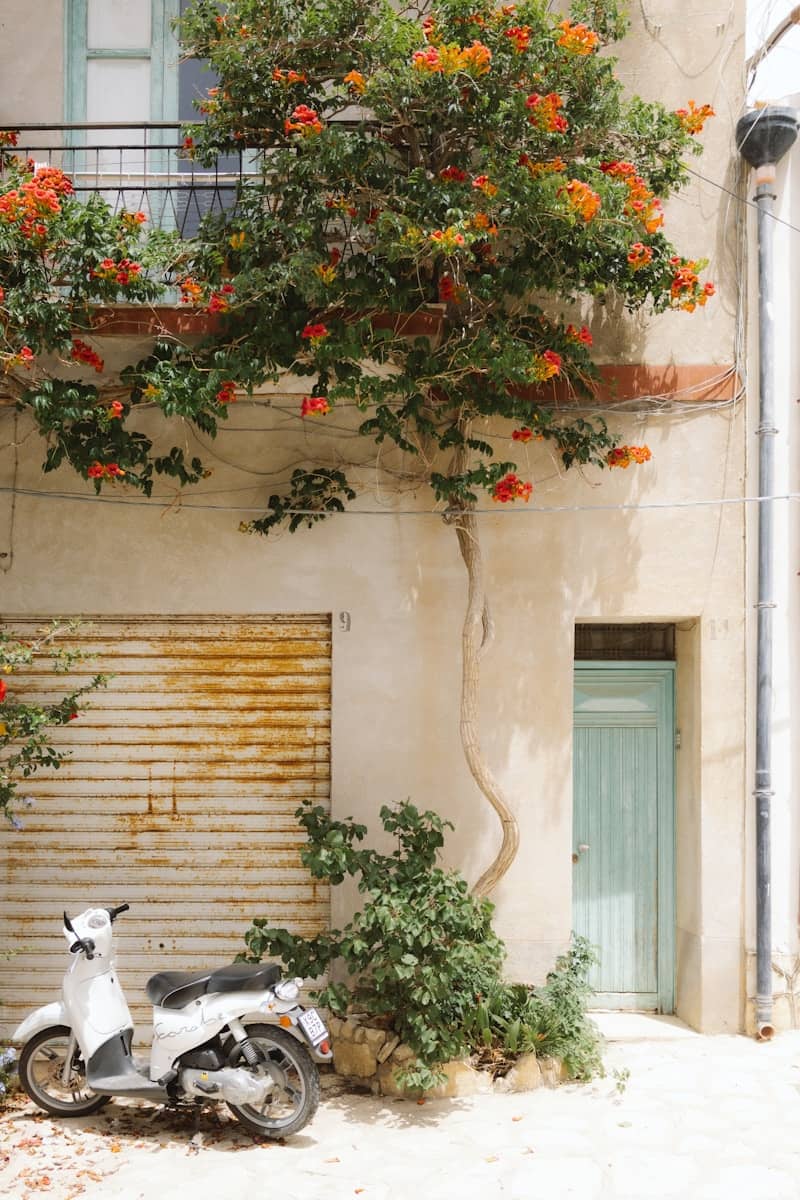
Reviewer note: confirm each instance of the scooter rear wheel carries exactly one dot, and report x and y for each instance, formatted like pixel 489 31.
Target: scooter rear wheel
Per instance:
pixel 41 1073
pixel 295 1098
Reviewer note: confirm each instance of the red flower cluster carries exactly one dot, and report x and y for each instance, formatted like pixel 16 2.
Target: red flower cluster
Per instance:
pixel 31 206
pixel 641 201
pixel 219 301
pixel 23 358
pixel 582 200
pixel 525 435
pixel 327 271
pixel 623 456
pixel 190 290
pixel 511 488
pixel 685 290
pixel 54 179
pixel 545 366
pixel 447 239
pixel 100 470
pixel 474 60
pixel 577 39
pixel 356 82
pixel 83 353
pixel 314 406
pixel 3 690
pixel 693 118
pixel 579 335
pixel 123 271
pixel 639 256
pixel 453 174
pixel 545 112
pixel 288 77
pixel 115 410
pixel 304 121
pixel 315 333
pixel 2 295
pixel 448 291
pixel 227 392
pixel 132 219
pixel 343 204
pixel 8 137
pixel 552 167
pixel 482 183
pixel 520 35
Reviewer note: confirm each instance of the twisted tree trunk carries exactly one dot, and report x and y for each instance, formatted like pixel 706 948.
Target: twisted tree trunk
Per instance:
pixel 476 638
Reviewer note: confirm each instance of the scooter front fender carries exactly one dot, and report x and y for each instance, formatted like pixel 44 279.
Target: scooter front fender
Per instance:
pixel 41 1018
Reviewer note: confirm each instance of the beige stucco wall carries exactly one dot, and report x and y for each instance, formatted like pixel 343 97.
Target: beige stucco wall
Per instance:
pixel 395 572
pixel 396 670
pixel 31 61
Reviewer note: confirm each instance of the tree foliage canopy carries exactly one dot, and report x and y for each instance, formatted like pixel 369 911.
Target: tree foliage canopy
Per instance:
pixel 472 165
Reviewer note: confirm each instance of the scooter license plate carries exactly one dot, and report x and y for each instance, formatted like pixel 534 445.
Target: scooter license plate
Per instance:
pixel 312 1026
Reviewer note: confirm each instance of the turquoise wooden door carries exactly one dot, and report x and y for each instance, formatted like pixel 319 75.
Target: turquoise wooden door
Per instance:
pixel 624 830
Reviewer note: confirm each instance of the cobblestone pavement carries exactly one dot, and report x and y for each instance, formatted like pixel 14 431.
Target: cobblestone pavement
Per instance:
pixel 711 1118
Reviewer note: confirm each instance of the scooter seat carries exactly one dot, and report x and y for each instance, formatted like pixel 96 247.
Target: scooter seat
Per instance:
pixel 174 989
pixel 244 977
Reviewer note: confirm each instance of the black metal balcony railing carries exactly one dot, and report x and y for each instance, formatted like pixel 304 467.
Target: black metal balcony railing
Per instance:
pixel 140 168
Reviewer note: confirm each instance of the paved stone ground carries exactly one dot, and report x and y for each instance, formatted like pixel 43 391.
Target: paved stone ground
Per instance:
pixel 710 1118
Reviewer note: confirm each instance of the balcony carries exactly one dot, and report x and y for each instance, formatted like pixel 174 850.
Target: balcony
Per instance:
pixel 140 168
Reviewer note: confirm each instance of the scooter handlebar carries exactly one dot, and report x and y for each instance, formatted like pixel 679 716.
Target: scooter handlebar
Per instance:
pixel 113 913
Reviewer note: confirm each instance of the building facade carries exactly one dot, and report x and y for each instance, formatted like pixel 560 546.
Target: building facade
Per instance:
pixel 623 746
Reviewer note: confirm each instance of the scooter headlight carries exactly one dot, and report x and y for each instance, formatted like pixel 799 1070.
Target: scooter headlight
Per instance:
pixel 287 989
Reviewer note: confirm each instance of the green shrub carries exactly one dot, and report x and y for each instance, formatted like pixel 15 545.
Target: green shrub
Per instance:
pixel 421 951
pixel 514 1018
pixel 422 954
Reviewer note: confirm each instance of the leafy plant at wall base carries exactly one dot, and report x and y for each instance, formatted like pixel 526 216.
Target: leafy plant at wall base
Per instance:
pixel 421 950
pixel 25 744
pixel 513 1019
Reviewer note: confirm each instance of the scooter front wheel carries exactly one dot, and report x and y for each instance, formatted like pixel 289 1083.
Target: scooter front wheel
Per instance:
pixel 57 1086
pixel 295 1097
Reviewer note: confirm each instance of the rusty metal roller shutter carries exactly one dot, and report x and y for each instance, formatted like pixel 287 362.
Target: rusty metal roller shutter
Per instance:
pixel 178 797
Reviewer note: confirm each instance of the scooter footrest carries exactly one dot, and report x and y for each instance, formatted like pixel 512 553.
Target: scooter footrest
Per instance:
pixel 131 1083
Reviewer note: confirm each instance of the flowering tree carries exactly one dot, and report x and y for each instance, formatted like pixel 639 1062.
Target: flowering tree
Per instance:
pixel 469 167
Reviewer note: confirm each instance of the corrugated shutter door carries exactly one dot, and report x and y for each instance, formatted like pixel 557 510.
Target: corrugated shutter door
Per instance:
pixel 178 798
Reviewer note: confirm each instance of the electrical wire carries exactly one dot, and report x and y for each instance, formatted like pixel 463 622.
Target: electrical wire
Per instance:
pixel 742 199
pixel 176 503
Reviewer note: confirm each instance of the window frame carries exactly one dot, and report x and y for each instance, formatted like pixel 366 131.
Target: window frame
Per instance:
pixel 162 55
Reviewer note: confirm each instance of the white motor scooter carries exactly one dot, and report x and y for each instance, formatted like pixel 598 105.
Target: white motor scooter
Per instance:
pixel 206 1046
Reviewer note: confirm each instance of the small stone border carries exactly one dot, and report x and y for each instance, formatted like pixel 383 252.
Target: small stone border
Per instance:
pixel 370 1055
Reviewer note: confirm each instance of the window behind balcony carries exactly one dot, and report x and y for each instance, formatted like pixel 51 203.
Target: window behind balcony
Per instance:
pixel 121 61
pixel 123 68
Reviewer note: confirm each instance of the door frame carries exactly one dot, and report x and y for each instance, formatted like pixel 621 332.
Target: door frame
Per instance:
pixel 662 674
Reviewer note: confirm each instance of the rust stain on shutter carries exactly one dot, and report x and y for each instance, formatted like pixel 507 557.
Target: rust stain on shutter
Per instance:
pixel 178 797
